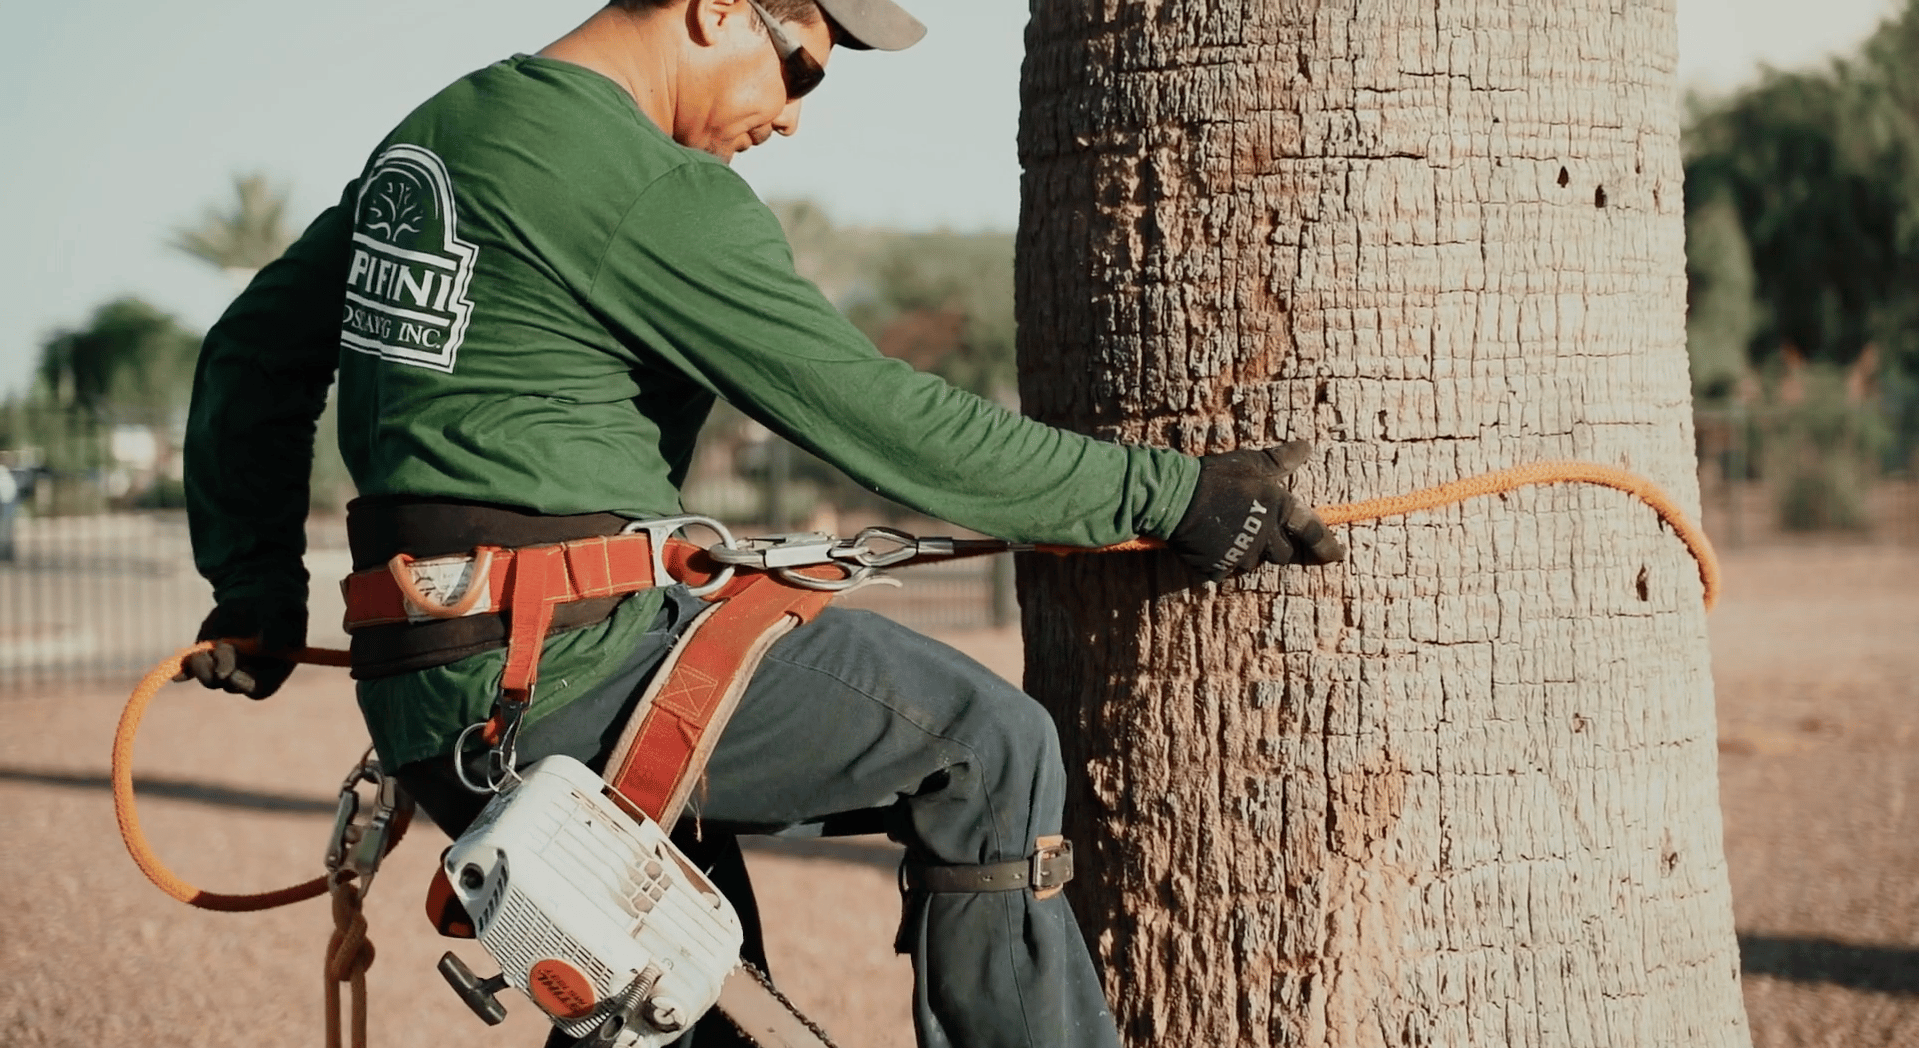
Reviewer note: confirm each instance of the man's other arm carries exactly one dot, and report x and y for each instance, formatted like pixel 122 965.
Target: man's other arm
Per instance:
pixel 258 392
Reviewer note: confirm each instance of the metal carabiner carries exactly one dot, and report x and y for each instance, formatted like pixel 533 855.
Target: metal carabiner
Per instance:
pixel 358 845
pixel 798 549
pixel 502 757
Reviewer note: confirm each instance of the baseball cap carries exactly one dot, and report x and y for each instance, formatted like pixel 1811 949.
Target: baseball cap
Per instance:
pixel 873 25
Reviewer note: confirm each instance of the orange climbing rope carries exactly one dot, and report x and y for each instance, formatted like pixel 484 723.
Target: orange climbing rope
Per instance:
pixel 1493 483
pixel 349 953
pixel 123 802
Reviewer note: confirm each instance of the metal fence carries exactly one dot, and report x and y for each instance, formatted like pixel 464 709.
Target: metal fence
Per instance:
pixel 98 599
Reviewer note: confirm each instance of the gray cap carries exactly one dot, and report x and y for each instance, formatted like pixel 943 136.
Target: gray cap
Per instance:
pixel 868 25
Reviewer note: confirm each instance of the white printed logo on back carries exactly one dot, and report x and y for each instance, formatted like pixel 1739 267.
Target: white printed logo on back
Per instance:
pixel 406 288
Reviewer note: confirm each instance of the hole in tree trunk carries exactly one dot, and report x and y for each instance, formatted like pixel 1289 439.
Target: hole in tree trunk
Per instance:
pixel 1564 178
pixel 1599 196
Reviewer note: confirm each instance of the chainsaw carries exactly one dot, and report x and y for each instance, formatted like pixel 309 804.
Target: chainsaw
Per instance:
pixel 590 911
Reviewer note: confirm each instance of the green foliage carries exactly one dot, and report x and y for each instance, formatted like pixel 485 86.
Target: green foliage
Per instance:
pixel 244 236
pixel 942 301
pixel 1813 177
pixel 1820 450
pixel 1722 311
pixel 1814 205
pixel 130 364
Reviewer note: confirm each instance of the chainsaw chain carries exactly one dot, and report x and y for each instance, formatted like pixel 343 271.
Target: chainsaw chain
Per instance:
pixel 785 1002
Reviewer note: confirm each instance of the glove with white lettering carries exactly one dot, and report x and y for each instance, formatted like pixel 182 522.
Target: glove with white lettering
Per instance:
pixel 1243 516
pixel 272 628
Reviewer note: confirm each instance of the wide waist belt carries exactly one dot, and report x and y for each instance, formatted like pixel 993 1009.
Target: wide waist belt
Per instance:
pixel 379 527
pixel 415 590
pixel 420 612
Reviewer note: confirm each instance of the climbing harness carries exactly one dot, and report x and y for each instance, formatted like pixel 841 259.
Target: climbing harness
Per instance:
pixel 758 590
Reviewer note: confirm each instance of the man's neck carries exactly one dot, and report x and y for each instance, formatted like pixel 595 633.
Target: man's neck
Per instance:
pixel 634 49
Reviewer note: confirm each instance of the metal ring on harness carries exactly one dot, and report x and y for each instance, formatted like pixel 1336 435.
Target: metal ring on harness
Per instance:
pixel 496 781
pixel 662 528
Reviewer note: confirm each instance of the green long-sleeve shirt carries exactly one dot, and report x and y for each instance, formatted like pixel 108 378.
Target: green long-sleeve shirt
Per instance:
pixel 532 297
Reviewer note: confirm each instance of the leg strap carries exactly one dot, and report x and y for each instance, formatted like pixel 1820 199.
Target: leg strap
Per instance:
pixel 1045 872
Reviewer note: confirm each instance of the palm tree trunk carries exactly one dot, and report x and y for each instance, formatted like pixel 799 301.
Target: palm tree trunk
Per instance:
pixel 1462 789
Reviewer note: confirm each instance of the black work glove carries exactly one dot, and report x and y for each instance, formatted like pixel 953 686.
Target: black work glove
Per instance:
pixel 274 628
pixel 1242 515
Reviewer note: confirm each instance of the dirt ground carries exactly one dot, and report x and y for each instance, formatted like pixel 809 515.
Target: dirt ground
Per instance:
pixel 1816 652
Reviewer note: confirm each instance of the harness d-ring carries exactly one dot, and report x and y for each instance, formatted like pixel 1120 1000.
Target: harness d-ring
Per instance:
pixel 660 529
pixel 499 768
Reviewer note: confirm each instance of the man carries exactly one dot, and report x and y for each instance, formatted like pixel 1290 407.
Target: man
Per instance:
pixel 533 294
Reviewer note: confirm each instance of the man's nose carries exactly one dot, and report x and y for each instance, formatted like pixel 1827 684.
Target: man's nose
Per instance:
pixel 788 122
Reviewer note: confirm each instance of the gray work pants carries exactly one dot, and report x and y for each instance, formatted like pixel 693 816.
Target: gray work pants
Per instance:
pixel 856 721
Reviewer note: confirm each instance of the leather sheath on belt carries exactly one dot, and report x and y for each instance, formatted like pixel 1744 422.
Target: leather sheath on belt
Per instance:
pixel 381 526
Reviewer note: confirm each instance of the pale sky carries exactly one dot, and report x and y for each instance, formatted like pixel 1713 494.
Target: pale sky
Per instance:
pixel 121 120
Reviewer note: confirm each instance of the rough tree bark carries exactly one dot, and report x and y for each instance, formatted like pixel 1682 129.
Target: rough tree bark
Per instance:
pixel 1460 790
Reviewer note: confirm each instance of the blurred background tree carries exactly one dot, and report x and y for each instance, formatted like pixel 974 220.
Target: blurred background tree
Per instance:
pixel 131 364
pixel 244 236
pixel 106 408
pixel 1802 198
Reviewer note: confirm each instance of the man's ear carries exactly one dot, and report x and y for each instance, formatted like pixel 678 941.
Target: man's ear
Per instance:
pixel 707 19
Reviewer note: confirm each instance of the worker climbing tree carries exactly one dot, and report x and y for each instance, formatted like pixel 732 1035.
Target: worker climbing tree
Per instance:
pixel 1394 770
pixel 1458 790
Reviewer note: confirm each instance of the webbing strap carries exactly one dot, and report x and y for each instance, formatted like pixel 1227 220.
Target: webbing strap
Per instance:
pixel 530 601
pixel 693 694
pixel 1045 871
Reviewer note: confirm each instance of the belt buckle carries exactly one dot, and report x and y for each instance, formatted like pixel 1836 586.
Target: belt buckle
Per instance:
pixel 1052 866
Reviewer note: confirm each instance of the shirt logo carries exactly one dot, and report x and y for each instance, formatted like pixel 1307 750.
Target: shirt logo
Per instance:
pixel 406 288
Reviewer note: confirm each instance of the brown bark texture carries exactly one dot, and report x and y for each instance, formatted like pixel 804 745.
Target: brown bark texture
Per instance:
pixel 1459 790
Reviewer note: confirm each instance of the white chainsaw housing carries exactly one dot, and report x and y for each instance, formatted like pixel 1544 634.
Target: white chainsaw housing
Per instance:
pixel 590 911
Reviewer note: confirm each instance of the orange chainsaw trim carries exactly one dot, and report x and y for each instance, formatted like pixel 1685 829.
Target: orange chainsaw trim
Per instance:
pixel 1345 513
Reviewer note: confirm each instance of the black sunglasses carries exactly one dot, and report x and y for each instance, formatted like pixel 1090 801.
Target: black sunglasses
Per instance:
pixel 803 73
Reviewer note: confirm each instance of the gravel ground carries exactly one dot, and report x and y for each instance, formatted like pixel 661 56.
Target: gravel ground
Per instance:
pixel 1816 660
pixel 1814 652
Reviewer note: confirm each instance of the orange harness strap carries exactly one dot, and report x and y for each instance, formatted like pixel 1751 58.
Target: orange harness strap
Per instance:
pixel 680 716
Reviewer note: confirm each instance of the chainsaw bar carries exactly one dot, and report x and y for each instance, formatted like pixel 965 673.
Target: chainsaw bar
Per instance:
pixel 763 1015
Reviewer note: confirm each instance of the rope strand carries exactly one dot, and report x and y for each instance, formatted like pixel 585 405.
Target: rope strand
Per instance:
pixel 1491 484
